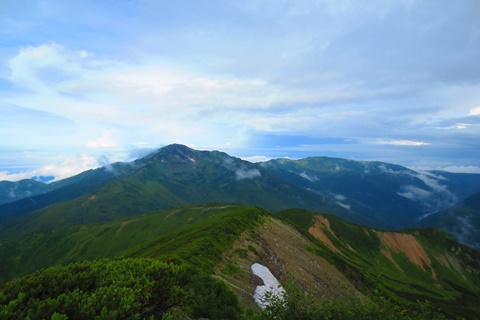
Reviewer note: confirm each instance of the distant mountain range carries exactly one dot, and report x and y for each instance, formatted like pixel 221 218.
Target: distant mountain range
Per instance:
pixel 376 194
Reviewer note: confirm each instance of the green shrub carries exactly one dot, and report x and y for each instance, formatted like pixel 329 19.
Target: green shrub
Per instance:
pixel 297 304
pixel 116 289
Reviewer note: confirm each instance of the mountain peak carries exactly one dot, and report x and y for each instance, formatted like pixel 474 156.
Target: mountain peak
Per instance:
pixel 175 153
pixel 176 146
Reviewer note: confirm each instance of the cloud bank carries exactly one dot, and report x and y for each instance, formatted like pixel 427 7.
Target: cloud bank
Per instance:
pixel 367 80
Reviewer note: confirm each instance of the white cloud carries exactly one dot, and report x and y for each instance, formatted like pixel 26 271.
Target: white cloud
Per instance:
pixel 240 170
pixel 383 168
pixel 474 111
pixel 67 167
pixel 308 177
pixel 402 143
pixel 38 68
pixel 344 205
pixel 414 193
pixel 241 174
pixel 465 231
pixel 446 198
pixel 106 140
pixel 339 69
pixel 256 158
pixel 436 198
pixel 341 202
pixel 462 169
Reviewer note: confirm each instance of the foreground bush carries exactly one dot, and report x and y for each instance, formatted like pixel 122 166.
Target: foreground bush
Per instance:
pixel 117 289
pixel 297 305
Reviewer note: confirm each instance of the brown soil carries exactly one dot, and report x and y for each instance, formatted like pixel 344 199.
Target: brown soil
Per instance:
pixel 283 250
pixel 318 231
pixel 408 244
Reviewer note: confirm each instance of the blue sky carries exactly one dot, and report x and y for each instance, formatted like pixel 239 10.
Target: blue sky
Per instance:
pixel 85 83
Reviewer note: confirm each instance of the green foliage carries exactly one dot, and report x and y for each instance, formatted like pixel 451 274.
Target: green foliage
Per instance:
pixel 252 249
pixel 202 244
pixel 190 241
pixel 230 268
pixel 74 244
pixel 138 288
pixel 116 289
pixel 297 304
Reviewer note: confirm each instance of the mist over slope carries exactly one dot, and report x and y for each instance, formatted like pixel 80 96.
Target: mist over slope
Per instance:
pixel 380 194
pixel 462 221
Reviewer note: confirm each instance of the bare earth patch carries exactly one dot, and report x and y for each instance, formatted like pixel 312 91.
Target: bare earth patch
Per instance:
pixel 283 250
pixel 407 244
pixel 318 231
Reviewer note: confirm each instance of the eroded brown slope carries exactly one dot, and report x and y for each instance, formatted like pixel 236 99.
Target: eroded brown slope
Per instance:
pixel 283 250
pixel 391 244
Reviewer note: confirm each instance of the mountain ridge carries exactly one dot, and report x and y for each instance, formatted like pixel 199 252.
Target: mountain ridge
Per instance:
pixel 318 253
pixel 374 193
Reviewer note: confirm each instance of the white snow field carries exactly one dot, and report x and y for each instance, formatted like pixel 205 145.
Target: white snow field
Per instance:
pixel 271 285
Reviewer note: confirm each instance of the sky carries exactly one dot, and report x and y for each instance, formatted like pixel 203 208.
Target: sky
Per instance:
pixel 84 83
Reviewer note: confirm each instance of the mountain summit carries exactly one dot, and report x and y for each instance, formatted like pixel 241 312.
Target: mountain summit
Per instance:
pixel 174 153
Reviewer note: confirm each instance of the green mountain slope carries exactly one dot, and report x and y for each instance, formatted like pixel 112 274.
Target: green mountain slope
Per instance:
pixel 461 221
pixel 377 194
pixel 176 175
pixel 193 238
pixel 12 191
pixel 408 265
pixel 327 257
pixel 63 190
pixel 25 254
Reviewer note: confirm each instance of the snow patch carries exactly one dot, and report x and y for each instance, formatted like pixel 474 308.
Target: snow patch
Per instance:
pixel 271 285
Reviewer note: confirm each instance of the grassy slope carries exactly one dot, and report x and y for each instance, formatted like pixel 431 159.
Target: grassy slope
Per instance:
pixel 193 238
pixel 198 235
pixel 455 289
pixel 64 245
